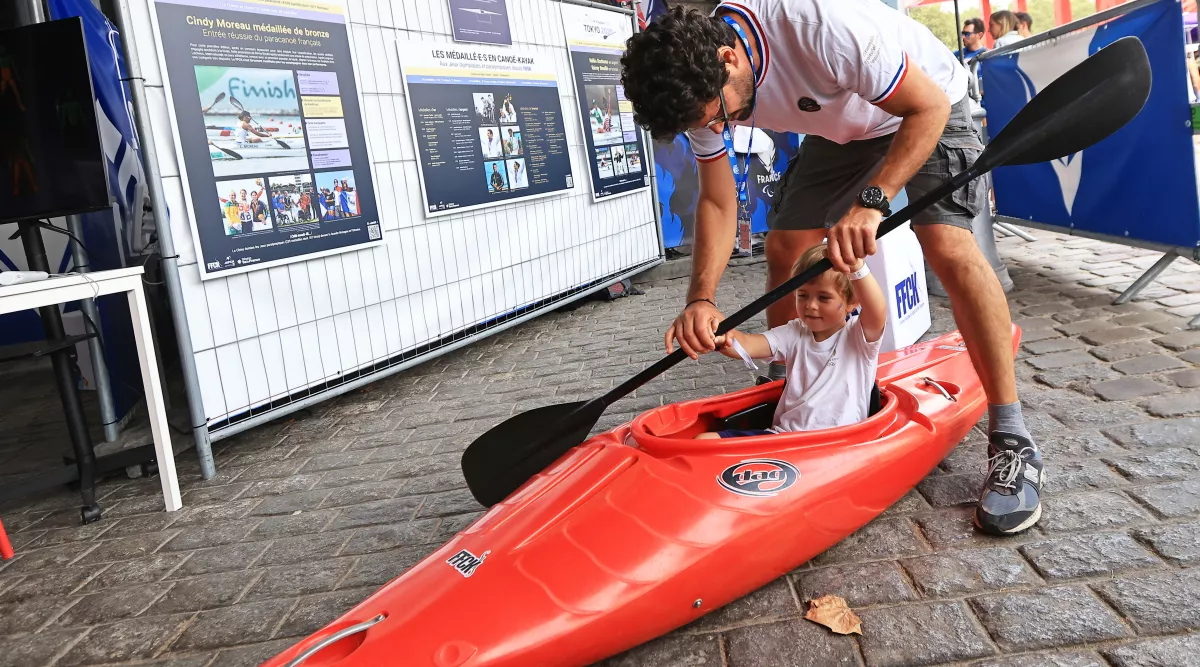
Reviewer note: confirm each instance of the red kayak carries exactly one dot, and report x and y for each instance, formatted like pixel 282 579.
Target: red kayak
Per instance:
pixel 644 529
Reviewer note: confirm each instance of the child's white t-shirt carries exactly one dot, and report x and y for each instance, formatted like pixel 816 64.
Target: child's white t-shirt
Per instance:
pixel 829 382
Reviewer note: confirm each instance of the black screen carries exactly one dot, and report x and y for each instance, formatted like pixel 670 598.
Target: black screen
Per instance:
pixel 51 162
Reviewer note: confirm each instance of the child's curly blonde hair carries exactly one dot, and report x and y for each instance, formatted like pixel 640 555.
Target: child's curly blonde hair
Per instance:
pixel 816 254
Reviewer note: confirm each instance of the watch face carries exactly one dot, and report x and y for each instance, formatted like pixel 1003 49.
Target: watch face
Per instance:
pixel 872 196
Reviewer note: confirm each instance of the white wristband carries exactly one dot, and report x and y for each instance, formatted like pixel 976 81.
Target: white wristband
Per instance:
pixel 861 273
pixel 746 359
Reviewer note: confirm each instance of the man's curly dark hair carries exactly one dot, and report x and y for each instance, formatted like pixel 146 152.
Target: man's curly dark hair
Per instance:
pixel 671 70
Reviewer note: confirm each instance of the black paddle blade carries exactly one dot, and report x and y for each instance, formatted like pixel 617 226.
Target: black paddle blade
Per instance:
pixel 1085 105
pixel 505 457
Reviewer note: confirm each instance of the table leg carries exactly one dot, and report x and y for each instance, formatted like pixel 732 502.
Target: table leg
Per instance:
pixel 138 311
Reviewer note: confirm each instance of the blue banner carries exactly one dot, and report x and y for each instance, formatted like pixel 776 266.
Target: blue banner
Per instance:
pixel 679 183
pixel 112 238
pixel 1139 183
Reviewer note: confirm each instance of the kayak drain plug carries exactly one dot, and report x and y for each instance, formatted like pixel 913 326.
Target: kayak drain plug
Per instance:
pixel 697 603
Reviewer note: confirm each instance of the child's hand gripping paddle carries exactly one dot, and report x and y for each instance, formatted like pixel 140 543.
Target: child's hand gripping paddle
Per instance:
pixel 1088 103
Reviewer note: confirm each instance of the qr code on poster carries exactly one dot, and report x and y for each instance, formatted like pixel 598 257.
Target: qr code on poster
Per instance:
pixel 373 231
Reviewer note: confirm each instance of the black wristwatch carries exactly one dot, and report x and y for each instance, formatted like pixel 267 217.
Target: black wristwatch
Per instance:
pixel 873 197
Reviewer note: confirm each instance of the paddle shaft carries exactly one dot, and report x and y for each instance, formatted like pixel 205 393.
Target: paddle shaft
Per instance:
pixel 792 284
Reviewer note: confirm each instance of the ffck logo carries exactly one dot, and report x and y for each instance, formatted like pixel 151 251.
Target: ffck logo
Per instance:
pixel 466 562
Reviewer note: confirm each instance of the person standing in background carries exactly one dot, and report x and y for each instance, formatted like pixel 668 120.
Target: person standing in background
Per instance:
pixel 1003 26
pixel 972 39
pixel 1024 24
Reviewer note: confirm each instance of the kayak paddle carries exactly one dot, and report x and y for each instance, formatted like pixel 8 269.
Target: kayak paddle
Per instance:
pixel 1088 103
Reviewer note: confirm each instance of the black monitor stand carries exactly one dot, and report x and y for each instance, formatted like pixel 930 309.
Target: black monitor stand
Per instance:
pixel 61 349
pixel 86 467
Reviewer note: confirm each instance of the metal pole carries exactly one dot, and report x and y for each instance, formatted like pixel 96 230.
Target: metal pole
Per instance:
pixel 108 412
pixel 1146 278
pixel 166 244
pixel 33 12
pixel 958 30
pixel 1015 231
pixel 651 166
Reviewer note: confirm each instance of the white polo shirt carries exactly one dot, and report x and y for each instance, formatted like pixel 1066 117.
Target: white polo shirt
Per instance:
pixel 828 63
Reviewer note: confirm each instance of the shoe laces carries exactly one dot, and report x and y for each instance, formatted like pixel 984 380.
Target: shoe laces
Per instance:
pixel 1004 468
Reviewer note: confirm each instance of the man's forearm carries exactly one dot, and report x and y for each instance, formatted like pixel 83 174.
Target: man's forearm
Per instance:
pixel 914 143
pixel 711 248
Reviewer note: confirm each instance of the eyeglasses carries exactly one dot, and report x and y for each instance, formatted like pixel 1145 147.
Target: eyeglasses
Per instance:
pixel 724 115
pixel 967 34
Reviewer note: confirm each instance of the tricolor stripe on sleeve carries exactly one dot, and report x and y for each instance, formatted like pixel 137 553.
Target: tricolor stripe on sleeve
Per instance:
pixel 896 81
pixel 709 157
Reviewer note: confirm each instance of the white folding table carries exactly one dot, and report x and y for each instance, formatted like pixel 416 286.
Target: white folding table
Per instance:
pixel 58 289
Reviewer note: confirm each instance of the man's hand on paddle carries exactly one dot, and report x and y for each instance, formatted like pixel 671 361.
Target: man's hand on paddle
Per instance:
pixel 853 237
pixel 694 329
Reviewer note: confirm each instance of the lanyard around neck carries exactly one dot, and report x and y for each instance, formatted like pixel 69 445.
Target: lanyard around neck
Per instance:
pixel 740 174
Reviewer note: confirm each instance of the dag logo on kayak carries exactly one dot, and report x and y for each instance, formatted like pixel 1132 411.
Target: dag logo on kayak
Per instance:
pixel 759 478
pixel 466 562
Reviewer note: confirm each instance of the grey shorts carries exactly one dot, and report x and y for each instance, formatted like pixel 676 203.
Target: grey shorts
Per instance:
pixel 825 178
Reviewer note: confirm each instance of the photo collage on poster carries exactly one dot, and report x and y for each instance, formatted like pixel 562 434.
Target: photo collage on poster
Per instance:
pixel 500 142
pixel 614 156
pixel 279 149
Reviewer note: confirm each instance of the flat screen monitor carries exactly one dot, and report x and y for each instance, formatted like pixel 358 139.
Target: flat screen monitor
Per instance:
pixel 51 161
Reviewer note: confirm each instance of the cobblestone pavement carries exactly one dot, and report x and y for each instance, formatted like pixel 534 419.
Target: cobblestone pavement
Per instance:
pixel 311 515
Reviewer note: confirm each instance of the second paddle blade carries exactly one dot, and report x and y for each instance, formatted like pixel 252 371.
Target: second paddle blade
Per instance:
pixel 507 455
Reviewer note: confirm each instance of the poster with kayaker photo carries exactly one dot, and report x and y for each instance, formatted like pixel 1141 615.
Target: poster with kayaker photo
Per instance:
pixel 471 110
pixel 596 41
pixel 251 119
pixel 266 91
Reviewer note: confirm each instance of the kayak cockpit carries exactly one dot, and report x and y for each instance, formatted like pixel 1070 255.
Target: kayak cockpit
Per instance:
pixel 671 429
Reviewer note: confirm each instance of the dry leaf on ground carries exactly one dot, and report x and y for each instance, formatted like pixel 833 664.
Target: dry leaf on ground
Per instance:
pixel 833 612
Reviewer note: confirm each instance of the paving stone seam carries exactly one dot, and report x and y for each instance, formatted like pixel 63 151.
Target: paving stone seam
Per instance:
pixel 174 637
pixel 247 588
pixel 66 648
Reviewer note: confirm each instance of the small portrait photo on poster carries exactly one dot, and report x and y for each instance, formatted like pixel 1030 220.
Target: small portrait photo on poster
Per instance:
pixel 517 178
pixel 337 195
pixel 603 115
pixel 618 159
pixel 244 207
pixel 508 112
pixel 485 108
pixel 633 158
pixel 512 140
pixel 293 199
pixel 489 142
pixel 497 177
pixel 604 163
pixel 251 120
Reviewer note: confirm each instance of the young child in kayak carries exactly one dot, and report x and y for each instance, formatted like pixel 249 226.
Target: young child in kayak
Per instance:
pixel 830 355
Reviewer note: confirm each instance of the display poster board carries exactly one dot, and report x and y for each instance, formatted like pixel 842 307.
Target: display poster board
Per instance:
pixel 270 134
pixel 488 125
pixel 482 21
pixel 615 149
pixel 1139 184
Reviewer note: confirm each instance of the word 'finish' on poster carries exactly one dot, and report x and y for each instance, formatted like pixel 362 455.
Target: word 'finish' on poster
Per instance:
pixel 480 21
pixel 269 131
pixel 615 148
pixel 488 125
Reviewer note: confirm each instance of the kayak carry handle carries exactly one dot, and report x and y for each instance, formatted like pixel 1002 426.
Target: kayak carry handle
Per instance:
pixel 334 638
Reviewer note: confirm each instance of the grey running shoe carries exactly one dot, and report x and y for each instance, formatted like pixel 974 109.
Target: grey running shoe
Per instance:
pixel 1011 499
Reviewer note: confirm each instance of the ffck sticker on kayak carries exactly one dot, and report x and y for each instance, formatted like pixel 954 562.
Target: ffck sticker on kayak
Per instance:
pixel 466 562
pixel 759 478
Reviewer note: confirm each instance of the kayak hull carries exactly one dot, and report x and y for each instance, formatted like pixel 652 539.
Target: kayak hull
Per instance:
pixel 643 529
